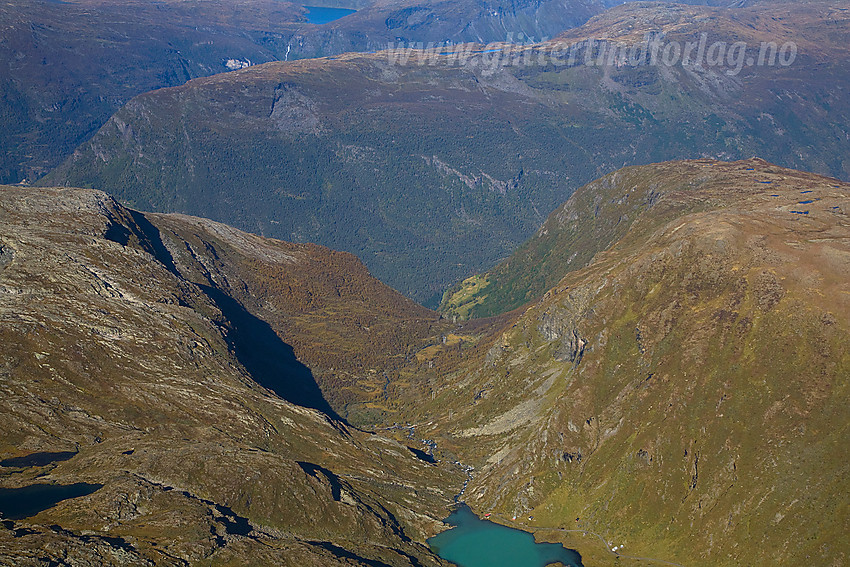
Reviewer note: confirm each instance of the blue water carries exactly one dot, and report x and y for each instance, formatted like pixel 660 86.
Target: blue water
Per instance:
pixel 474 542
pixel 38 459
pixel 19 503
pixel 318 15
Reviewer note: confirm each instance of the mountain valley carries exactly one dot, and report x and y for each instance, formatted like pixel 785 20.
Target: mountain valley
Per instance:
pixel 155 385
pixel 683 389
pixel 422 283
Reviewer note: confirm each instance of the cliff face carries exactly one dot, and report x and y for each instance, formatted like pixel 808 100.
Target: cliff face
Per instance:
pixel 686 391
pixel 128 349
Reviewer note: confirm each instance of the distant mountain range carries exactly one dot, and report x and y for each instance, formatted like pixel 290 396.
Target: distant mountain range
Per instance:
pixel 433 170
pixel 67 66
pixel 70 64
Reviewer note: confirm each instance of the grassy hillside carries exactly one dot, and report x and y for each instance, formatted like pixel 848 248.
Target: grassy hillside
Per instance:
pixel 685 392
pixel 569 239
pixel 588 223
pixel 432 173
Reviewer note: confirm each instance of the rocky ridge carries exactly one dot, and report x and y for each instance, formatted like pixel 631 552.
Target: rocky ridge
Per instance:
pixel 147 379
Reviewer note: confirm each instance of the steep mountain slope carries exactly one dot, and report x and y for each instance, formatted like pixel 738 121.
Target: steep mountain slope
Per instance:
pixel 67 66
pixel 433 169
pixel 356 335
pixel 167 398
pixel 686 392
pixel 683 393
pixel 567 241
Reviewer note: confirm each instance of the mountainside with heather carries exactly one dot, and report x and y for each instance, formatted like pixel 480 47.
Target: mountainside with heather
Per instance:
pixel 67 66
pixel 356 337
pixel 683 390
pixel 569 239
pixel 431 170
pixel 134 367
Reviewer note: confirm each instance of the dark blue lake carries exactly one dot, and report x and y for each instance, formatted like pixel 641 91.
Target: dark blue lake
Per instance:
pixel 474 542
pixel 19 503
pixel 317 15
pixel 38 459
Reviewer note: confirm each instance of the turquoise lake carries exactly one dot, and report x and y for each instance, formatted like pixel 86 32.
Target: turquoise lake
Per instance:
pixel 318 15
pixel 474 542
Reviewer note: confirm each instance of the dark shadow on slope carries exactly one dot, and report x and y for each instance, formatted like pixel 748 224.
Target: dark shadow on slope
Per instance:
pixel 422 455
pixel 152 240
pixel 234 524
pixel 342 553
pixel 314 470
pixel 270 361
pixel 149 236
pixel 116 543
pixel 117 233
